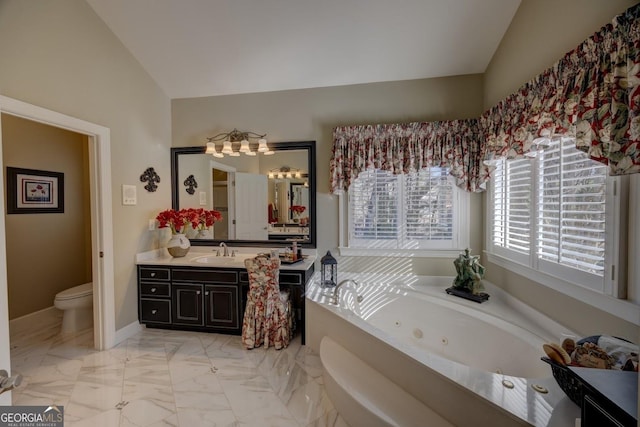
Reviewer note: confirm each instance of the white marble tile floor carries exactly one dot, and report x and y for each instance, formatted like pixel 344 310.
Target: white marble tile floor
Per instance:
pixel 169 378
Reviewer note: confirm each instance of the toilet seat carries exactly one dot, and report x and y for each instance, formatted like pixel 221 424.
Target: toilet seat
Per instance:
pixel 75 292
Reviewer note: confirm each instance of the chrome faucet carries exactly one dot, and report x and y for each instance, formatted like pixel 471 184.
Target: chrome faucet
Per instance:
pixel 226 249
pixel 336 291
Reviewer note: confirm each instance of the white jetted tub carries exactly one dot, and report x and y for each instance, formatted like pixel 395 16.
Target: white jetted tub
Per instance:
pixel 408 354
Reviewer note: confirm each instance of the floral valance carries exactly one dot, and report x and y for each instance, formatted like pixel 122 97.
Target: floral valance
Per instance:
pixel 402 148
pixel 592 94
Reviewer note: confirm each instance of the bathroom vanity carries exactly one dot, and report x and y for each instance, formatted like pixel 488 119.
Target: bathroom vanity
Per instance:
pixel 204 292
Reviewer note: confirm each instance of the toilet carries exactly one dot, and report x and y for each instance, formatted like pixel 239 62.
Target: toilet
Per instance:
pixel 77 306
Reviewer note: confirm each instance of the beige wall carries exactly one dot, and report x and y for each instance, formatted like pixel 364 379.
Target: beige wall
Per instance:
pixel 59 55
pixel 33 279
pixel 541 32
pixel 311 114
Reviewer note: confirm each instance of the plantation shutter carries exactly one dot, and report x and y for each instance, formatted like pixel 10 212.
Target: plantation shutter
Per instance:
pixel 428 201
pixel 408 211
pixel 374 209
pixel 512 205
pixel 571 208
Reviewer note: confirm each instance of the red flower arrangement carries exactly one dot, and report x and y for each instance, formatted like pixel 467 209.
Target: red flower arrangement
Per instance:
pixel 297 209
pixel 199 219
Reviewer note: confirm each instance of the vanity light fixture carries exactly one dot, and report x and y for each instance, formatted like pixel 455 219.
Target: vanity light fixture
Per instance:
pixel 262 145
pixel 285 172
pixel 244 146
pixel 226 147
pixel 211 149
pixel 236 142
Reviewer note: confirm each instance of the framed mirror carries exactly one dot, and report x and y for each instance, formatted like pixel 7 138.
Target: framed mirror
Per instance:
pixel 265 200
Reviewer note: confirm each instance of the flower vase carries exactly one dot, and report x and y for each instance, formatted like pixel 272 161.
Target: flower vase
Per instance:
pixel 202 234
pixel 178 245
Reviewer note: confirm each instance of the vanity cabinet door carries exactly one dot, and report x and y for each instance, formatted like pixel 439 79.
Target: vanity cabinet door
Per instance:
pixel 221 307
pixel 187 304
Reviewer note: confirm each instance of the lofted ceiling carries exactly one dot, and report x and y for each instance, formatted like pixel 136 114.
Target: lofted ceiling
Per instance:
pixel 195 48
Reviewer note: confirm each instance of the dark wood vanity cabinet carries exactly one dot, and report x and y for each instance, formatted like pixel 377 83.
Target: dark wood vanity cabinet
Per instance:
pixel 206 299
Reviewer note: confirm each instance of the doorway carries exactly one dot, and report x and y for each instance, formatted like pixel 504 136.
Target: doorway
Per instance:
pixel 101 225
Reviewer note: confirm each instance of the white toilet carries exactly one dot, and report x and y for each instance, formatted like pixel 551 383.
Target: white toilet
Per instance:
pixel 77 306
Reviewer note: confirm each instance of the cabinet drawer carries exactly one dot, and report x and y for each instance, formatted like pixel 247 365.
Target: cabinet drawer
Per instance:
pixel 151 273
pixel 286 278
pixel 155 289
pixel 205 275
pixel 155 311
pixel 291 278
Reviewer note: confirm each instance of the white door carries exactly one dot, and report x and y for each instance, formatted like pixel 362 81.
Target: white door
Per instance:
pixel 252 215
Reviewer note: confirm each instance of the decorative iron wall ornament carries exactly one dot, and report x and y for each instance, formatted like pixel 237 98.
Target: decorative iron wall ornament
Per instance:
pixel 191 184
pixel 151 177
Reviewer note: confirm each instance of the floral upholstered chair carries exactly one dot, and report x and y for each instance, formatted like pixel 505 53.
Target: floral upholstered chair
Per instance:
pixel 268 315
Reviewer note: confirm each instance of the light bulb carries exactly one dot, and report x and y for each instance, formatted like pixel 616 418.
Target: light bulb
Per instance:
pixel 226 147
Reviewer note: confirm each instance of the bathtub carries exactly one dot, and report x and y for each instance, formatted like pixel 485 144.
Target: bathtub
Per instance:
pixel 410 354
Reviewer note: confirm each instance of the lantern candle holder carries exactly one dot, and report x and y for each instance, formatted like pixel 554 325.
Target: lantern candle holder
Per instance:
pixel 328 271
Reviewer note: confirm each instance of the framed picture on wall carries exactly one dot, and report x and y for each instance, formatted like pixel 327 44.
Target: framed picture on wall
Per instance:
pixel 31 191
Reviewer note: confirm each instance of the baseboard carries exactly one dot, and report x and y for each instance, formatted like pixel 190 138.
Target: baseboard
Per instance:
pixel 41 316
pixel 128 331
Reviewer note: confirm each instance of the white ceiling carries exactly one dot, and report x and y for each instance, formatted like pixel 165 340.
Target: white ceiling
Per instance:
pixel 196 48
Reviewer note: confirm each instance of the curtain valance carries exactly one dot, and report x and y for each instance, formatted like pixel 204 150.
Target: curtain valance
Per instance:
pixel 592 94
pixel 402 148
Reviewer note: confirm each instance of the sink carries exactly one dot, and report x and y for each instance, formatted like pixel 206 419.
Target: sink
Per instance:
pixel 215 260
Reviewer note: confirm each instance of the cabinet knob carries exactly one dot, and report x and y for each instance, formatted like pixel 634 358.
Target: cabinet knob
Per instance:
pixel 154 311
pixel 153 289
pixel 197 292
pixel 153 274
pixel 206 293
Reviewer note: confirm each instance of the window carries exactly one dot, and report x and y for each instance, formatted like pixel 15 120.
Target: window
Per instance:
pixel 420 210
pixel 555 214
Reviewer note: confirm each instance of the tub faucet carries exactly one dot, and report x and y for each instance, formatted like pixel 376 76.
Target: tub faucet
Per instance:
pixel 335 299
pixel 226 249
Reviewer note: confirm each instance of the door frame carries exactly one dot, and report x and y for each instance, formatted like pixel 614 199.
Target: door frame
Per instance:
pixel 101 215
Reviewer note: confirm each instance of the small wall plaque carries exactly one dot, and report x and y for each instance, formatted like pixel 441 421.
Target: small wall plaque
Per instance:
pixel 151 178
pixel 191 184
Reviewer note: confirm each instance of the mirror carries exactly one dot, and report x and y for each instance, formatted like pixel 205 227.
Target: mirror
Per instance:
pixel 265 200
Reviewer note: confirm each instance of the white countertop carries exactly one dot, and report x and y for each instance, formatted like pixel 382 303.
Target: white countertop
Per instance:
pixel 205 256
